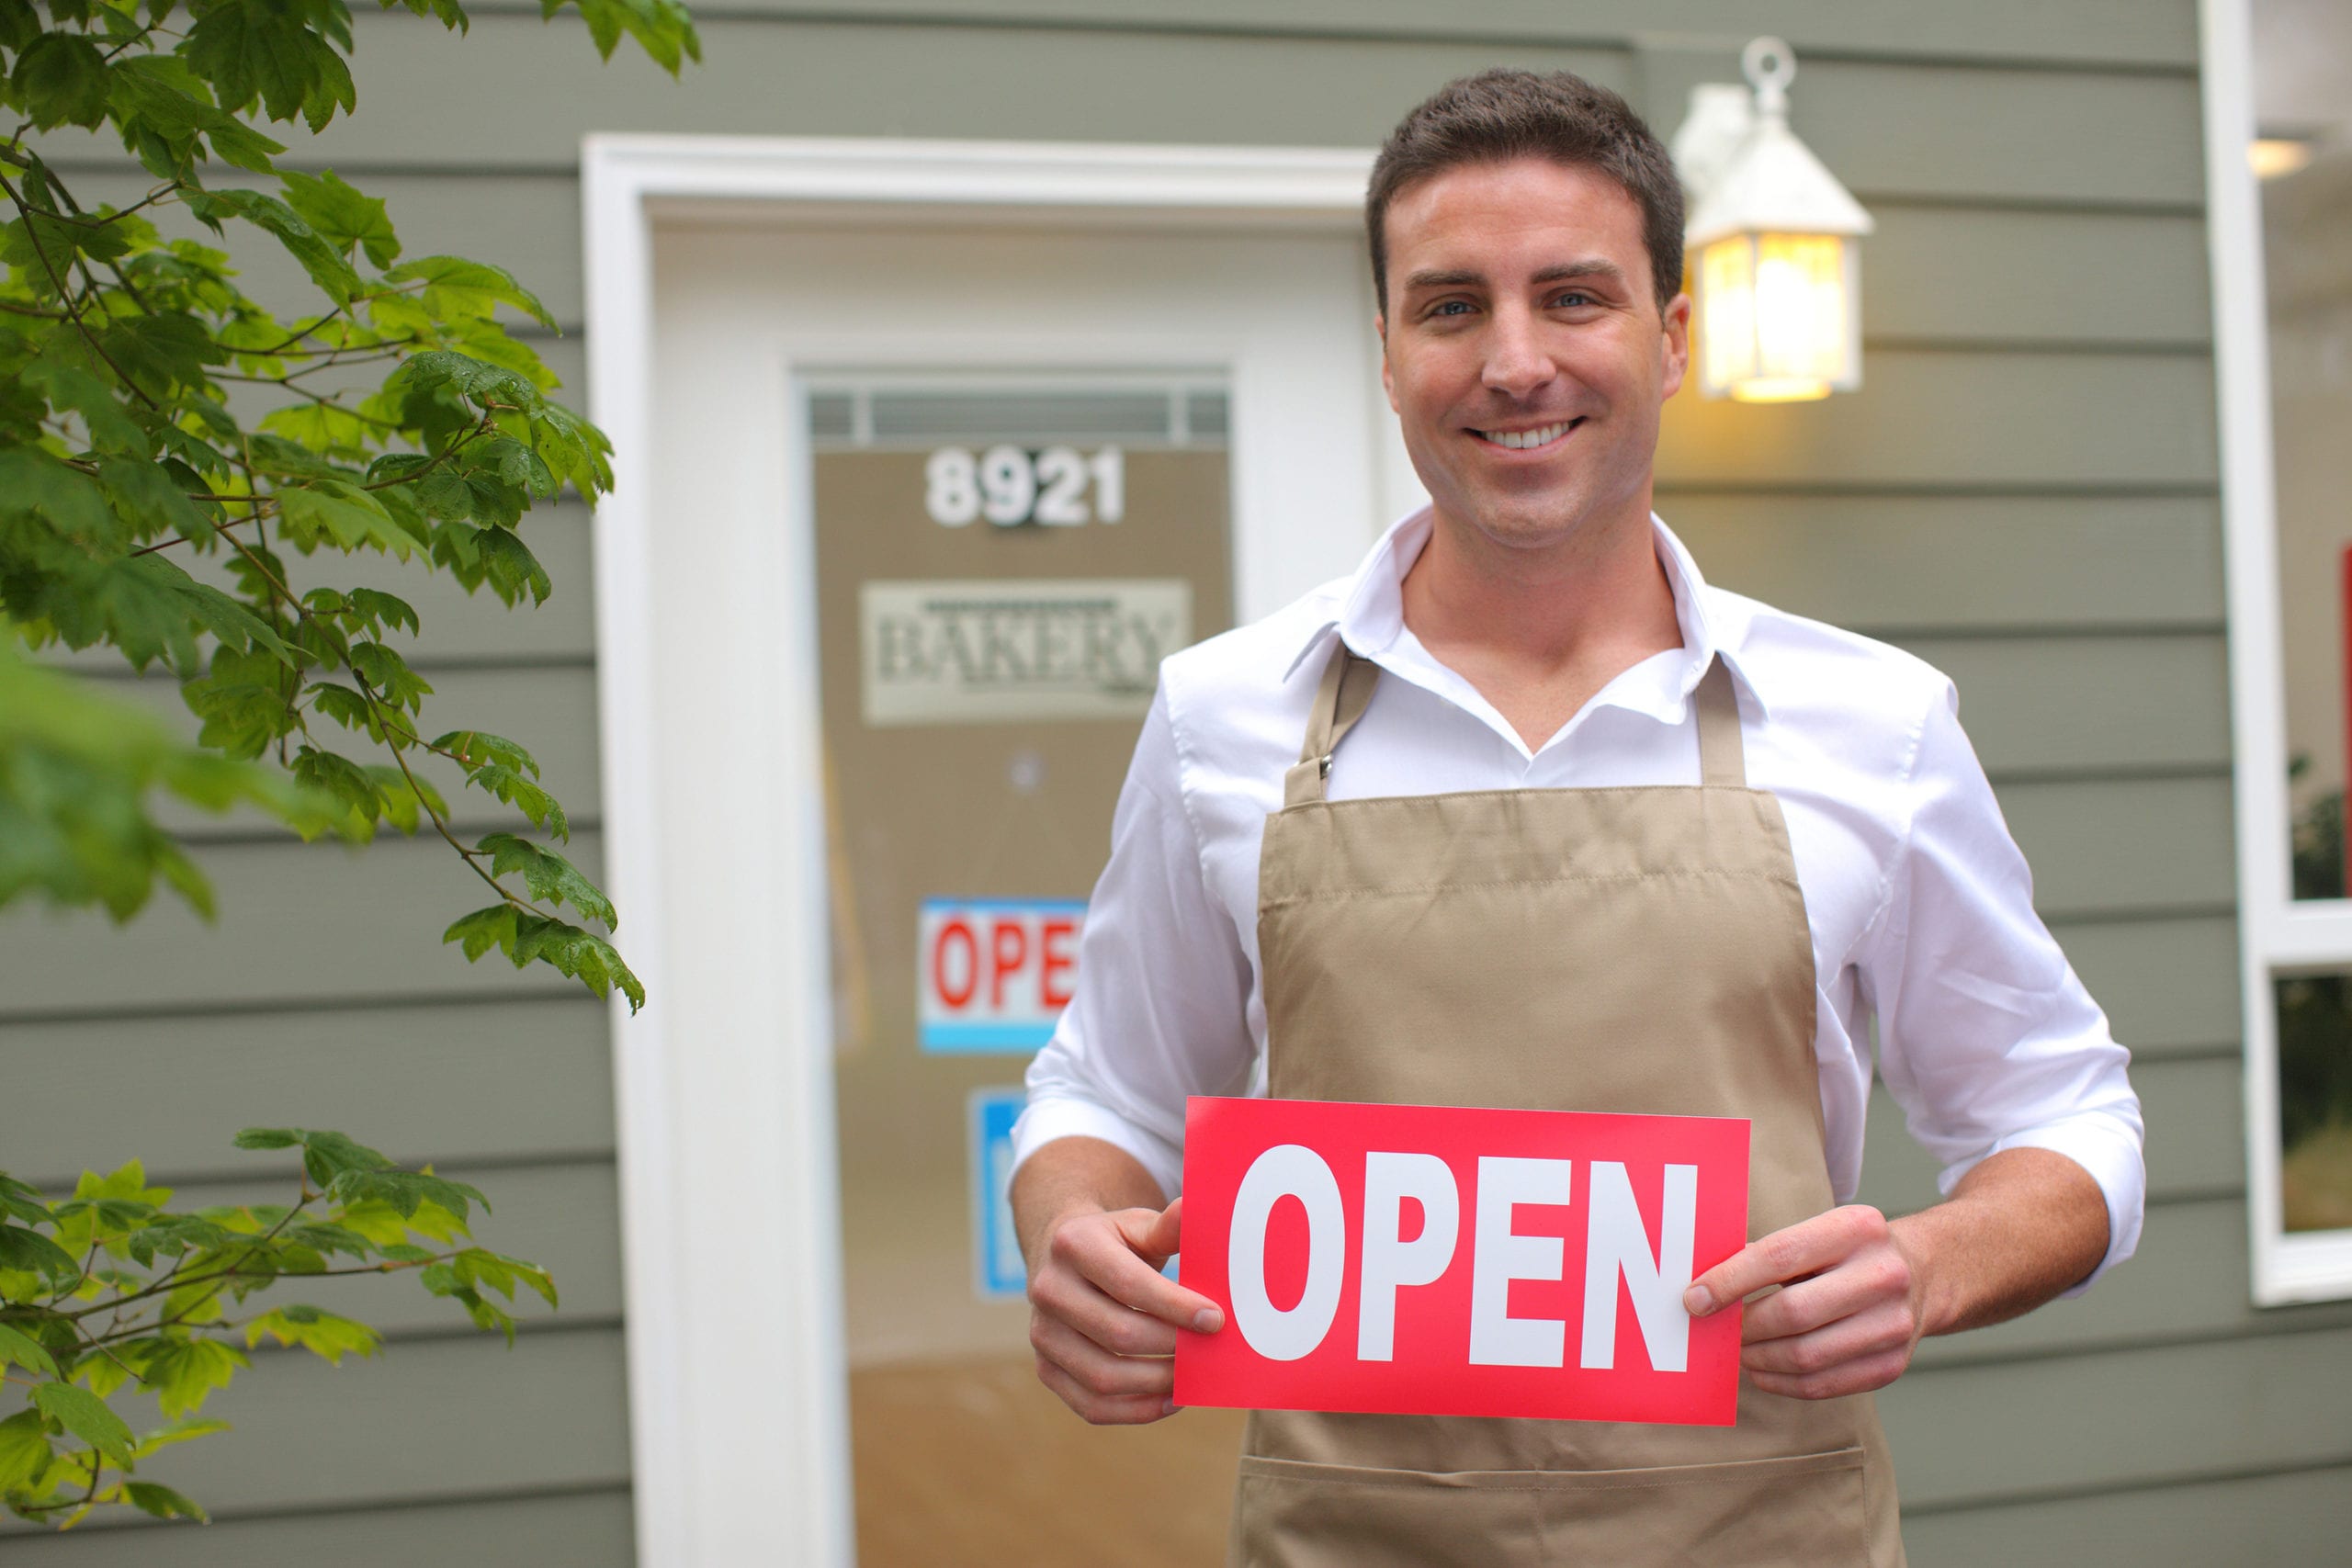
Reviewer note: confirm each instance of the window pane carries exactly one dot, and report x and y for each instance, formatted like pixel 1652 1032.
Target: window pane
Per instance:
pixel 1000 562
pixel 2316 1101
pixel 2305 158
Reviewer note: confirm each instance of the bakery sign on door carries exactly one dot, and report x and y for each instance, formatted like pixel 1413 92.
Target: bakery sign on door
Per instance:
pixel 1016 650
pixel 994 974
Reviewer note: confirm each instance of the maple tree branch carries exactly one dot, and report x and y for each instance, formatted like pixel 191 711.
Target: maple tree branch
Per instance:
pixel 32 233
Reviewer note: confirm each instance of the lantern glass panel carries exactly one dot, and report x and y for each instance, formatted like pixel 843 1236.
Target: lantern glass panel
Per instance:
pixel 1777 316
pixel 1727 313
pixel 1801 307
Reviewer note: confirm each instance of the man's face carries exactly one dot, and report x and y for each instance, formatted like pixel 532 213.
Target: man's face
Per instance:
pixel 1523 348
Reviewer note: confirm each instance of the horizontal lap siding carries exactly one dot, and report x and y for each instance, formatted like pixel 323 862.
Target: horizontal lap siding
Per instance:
pixel 516 1073
pixel 583 1526
pixel 2107 34
pixel 423 1419
pixel 2115 1419
pixel 2023 495
pixel 2294 1517
pixel 299 923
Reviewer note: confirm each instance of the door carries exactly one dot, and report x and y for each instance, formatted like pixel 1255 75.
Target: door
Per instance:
pixel 952 490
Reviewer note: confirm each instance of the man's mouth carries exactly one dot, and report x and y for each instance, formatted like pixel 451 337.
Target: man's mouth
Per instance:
pixel 1522 440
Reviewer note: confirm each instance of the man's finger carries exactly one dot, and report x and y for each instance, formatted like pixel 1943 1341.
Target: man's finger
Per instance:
pixel 1104 1410
pixel 1794 1252
pixel 1848 1377
pixel 1880 1330
pixel 1073 1299
pixel 1166 1234
pixel 1097 1369
pixel 1857 1285
pixel 1113 1266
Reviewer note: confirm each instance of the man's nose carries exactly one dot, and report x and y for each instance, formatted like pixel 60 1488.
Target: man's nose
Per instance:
pixel 1516 363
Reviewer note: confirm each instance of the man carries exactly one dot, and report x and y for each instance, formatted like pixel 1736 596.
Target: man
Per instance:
pixel 1570 830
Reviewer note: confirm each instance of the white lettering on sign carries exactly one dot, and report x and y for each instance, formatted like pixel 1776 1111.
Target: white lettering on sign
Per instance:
pixel 1287 1170
pixel 1390 1263
pixel 985 652
pixel 1501 1256
pixel 994 976
pixel 1010 485
pixel 1617 1245
pixel 1490 1254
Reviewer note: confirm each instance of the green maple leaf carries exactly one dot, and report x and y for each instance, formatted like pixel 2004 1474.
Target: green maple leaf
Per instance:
pixel 85 1416
pixel 344 217
pixel 551 878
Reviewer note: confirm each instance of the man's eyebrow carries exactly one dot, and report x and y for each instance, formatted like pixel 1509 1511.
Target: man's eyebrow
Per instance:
pixel 1455 279
pixel 1559 272
pixel 1591 267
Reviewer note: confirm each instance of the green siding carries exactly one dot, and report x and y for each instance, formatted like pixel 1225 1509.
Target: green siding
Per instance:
pixel 425 1418
pixel 299 923
pixel 2023 494
pixel 2106 33
pixel 2078 706
pixel 2172 1294
pixel 517 1074
pixel 583 1527
pixel 1965 421
pixel 2038 1427
pixel 2292 1518
pixel 2169 984
pixel 2194 1156
pixel 1903 565
pixel 2136 845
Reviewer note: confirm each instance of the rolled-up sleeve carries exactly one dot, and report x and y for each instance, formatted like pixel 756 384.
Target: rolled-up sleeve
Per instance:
pixel 1987 1039
pixel 1159 1009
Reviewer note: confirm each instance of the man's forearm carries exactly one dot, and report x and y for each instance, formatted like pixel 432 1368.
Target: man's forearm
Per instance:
pixel 1076 1173
pixel 2019 1229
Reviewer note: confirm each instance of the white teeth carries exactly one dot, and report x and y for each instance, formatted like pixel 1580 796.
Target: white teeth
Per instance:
pixel 1522 439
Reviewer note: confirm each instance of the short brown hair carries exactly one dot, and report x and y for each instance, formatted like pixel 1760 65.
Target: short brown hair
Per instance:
pixel 1499 114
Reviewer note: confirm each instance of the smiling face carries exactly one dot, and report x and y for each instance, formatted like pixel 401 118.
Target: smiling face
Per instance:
pixel 1524 350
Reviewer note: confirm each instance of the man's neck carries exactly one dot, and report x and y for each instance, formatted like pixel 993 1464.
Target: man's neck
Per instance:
pixel 1539 631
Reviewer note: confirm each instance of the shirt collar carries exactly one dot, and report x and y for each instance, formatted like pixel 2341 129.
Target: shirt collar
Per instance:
pixel 1371 614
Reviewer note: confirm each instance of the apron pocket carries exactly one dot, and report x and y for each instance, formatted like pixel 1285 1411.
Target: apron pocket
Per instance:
pixel 1800 1511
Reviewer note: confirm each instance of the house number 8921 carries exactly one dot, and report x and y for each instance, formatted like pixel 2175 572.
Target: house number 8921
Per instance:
pixel 1059 486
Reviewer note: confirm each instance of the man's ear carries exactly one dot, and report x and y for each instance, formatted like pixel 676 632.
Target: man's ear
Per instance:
pixel 1677 345
pixel 1387 381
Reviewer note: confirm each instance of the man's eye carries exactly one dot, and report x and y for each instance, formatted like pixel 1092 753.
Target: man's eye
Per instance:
pixel 1450 307
pixel 1574 297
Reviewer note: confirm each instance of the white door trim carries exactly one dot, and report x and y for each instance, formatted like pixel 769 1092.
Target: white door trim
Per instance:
pixel 733 1444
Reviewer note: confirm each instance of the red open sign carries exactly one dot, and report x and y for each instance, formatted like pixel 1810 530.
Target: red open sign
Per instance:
pixel 994 974
pixel 1445 1261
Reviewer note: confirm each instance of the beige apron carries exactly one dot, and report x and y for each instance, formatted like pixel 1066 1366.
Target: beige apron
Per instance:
pixel 1620 949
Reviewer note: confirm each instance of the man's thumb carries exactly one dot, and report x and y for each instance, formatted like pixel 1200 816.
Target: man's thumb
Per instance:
pixel 1166 1235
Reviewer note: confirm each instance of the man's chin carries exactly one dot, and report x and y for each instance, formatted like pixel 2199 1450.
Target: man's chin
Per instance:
pixel 1527 523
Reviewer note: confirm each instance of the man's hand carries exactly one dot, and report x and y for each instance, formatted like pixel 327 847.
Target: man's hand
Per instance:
pixel 1103 1318
pixel 1851 1308
pixel 1857 1291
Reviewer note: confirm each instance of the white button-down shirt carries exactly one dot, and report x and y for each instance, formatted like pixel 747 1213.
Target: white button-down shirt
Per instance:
pixel 1920 904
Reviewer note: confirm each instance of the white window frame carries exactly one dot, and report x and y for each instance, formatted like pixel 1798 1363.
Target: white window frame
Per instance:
pixel 738 1433
pixel 2277 934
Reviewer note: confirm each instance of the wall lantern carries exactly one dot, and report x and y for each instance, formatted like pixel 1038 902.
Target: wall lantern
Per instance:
pixel 1777 281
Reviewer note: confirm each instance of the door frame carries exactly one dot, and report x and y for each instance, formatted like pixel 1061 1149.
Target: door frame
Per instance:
pixel 739 1436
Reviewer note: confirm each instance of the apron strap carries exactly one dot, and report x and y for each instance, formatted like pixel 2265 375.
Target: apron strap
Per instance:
pixel 1722 762
pixel 1339 701
pixel 1345 692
